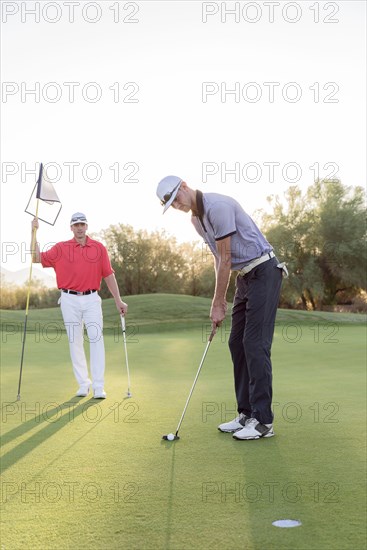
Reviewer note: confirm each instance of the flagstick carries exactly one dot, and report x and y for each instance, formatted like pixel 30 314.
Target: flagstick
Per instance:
pixel 27 305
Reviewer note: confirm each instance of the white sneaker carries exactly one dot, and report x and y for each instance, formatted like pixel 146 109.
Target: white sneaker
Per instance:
pixel 99 393
pixel 82 391
pixel 254 430
pixel 234 425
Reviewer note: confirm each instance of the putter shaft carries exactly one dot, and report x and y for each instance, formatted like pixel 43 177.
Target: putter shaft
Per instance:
pixel 196 377
pixel 123 327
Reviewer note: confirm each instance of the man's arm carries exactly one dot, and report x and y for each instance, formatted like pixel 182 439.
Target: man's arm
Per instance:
pixel 114 289
pixel 35 249
pixel 222 276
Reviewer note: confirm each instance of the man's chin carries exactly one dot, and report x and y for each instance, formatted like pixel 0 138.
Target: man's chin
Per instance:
pixel 182 208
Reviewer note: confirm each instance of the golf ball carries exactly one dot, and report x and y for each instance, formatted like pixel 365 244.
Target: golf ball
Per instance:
pixel 170 437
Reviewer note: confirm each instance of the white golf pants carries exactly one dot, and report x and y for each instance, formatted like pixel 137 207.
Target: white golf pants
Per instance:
pixel 77 312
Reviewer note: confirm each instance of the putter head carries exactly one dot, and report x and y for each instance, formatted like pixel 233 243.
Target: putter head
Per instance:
pixel 175 437
pixel 18 397
pixel 128 394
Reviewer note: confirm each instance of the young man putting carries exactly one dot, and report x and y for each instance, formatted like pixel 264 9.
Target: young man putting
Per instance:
pixel 80 264
pixel 238 245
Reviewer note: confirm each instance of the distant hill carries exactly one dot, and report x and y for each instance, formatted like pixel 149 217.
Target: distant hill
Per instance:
pixel 153 313
pixel 18 278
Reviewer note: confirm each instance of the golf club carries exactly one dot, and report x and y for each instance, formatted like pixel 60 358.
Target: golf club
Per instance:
pixel 173 437
pixel 123 327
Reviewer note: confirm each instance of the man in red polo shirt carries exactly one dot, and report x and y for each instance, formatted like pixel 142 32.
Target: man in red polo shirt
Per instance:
pixel 80 264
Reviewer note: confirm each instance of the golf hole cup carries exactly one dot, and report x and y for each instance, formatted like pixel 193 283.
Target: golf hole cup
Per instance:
pixel 287 523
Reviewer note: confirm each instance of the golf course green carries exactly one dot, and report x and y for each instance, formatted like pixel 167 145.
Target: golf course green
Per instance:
pixel 79 473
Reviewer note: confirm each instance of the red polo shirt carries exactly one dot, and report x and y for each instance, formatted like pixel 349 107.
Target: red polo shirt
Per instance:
pixel 78 267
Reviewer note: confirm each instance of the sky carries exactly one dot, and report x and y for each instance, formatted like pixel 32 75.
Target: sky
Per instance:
pixel 239 98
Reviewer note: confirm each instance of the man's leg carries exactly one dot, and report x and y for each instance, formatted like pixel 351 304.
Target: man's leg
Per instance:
pixel 241 376
pixel 263 291
pixel 93 318
pixel 72 314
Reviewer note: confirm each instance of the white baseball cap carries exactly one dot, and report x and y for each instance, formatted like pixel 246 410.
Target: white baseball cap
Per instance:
pixel 167 190
pixel 78 217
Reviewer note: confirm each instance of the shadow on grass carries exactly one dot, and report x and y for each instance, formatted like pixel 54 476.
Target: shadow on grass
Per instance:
pixel 35 422
pixel 169 444
pixel 268 488
pixel 55 423
pixel 37 474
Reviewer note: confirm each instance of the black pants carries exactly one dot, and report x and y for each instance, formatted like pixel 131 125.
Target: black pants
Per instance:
pixel 253 317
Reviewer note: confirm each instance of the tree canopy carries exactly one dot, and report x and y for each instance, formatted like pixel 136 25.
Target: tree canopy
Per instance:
pixel 322 237
pixel 154 262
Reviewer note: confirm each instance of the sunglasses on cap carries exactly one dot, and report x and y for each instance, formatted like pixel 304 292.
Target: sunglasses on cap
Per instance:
pixel 167 196
pixel 81 219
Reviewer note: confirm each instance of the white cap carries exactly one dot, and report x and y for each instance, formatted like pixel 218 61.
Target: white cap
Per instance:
pixel 167 190
pixel 78 217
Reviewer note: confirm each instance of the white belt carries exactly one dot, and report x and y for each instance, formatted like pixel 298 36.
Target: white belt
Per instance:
pixel 256 262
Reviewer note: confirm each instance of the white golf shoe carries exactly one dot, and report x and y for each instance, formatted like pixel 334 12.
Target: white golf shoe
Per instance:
pixel 99 393
pixel 82 391
pixel 236 424
pixel 253 429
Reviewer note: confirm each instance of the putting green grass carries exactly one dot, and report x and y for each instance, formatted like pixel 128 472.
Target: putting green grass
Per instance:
pixel 81 474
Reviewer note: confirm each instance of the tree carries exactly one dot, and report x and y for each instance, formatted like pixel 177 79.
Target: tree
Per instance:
pixel 341 226
pixel 321 235
pixel 144 262
pixel 199 277
pixel 15 297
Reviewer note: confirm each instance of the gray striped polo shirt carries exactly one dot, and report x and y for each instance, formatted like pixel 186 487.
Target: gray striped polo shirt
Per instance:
pixel 219 217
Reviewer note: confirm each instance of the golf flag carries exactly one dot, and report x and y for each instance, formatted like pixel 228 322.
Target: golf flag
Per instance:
pixel 50 206
pixel 45 205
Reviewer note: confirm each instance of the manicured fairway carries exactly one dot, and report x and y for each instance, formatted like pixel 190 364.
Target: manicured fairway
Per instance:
pixel 82 474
